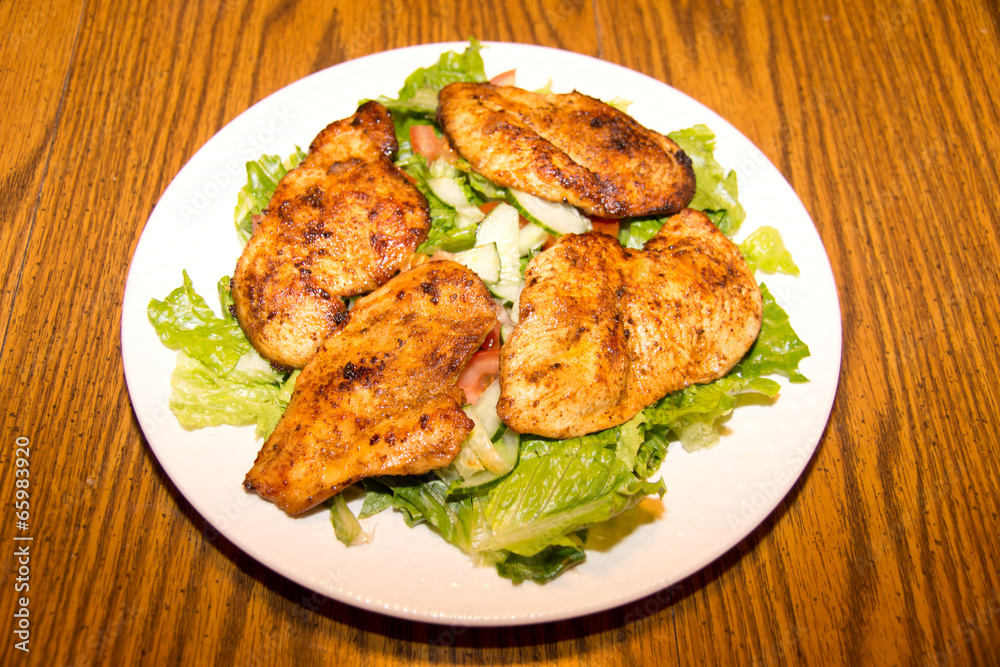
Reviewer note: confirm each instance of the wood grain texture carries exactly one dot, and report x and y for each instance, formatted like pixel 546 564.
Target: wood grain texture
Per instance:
pixel 882 116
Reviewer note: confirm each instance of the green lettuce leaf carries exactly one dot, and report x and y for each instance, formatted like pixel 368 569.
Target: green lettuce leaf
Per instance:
pixel 544 566
pixel 528 524
pixel 637 232
pixel 764 250
pixel 716 190
pixel 557 488
pixel 378 498
pixel 346 526
pixel 418 96
pixel 218 378
pixel 263 175
pixel 251 393
pixel 778 349
pixel 426 499
pixel 183 321
pixel 694 414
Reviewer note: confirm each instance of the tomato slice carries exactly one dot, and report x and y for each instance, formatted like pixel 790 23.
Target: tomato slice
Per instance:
pixel 482 369
pixel 492 341
pixel 486 207
pixel 505 78
pixel 426 143
pixel 605 226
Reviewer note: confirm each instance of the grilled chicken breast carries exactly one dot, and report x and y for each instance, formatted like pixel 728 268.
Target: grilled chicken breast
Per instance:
pixel 379 396
pixel 339 224
pixel 568 147
pixel 605 331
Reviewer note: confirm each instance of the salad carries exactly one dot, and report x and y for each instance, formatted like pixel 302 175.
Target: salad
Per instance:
pixel 529 518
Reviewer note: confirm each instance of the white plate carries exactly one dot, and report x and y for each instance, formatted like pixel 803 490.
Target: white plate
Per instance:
pixel 714 498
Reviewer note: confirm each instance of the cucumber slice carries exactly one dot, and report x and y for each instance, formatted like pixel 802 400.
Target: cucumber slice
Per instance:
pixel 447 191
pixel 506 448
pixel 501 227
pixel 480 444
pixel 509 447
pixel 509 292
pixel 487 453
pixel 558 217
pixel 450 192
pixel 468 463
pixel 476 483
pixel 530 237
pixel 486 408
pixel 483 260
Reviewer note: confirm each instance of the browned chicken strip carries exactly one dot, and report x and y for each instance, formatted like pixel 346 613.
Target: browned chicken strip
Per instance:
pixel 339 224
pixel 379 397
pixel 605 331
pixel 567 147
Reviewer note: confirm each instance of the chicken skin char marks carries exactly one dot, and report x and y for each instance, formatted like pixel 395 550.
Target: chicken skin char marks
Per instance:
pixel 566 148
pixel 605 331
pixel 340 224
pixel 379 397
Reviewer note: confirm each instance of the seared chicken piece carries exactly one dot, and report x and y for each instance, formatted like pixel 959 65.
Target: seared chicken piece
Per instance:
pixel 605 331
pixel 569 147
pixel 339 224
pixel 379 397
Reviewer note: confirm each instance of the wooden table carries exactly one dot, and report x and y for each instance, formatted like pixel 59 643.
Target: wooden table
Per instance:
pixel 884 118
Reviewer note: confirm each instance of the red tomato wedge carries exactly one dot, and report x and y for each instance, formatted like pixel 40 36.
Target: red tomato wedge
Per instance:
pixel 505 78
pixel 605 226
pixel 492 341
pixel 482 369
pixel 426 143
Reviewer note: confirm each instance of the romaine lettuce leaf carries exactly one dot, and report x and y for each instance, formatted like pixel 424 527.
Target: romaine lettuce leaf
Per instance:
pixel 693 414
pixel 418 96
pixel 346 526
pixel 778 349
pixel 716 190
pixel 183 321
pixel 251 393
pixel 764 250
pixel 218 378
pixel 637 232
pixel 564 487
pixel 263 175
pixel 544 566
